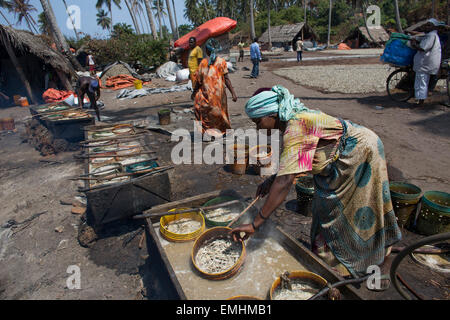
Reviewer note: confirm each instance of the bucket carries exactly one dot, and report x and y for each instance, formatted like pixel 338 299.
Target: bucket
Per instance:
pixel 7 124
pixel 237 207
pixel 138 84
pixel 405 197
pixel 304 276
pixel 304 187
pixel 23 102
pixel 434 216
pixel 181 237
pixel 164 117
pixel 262 156
pixel 209 235
pixel 240 159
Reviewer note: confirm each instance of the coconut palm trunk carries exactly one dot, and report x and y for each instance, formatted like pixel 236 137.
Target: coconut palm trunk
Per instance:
pixel 172 22
pixel 329 23
pixel 175 16
pixel 268 24
pixel 58 36
pixel 133 17
pixel 71 20
pixel 150 18
pixel 252 20
pixel 397 17
pixel 4 17
pixel 158 9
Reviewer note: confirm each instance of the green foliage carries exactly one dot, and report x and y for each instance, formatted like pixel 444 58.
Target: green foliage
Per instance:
pixel 129 48
pixel 120 29
pixel 185 29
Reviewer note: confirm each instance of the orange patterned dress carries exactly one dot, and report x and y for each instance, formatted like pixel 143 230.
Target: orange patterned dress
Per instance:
pixel 210 102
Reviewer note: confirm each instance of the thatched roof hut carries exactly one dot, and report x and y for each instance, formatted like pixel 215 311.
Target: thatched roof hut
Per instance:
pixel 288 34
pixel 25 59
pixel 360 37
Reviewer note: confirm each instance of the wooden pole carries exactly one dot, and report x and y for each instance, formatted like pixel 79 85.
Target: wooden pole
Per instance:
pixel 19 69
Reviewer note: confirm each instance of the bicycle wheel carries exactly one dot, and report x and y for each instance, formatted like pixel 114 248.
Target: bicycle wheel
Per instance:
pixel 400 85
pixel 407 251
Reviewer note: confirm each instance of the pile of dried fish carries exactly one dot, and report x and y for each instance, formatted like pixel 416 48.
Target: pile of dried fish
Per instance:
pixel 221 215
pixel 301 290
pixel 218 255
pixel 183 226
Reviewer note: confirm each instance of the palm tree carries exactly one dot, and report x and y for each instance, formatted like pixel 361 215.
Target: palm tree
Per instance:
pixel 150 18
pixel 133 16
pixel 108 4
pixel 22 10
pixel 329 23
pixel 176 21
pixel 252 20
pixel 103 20
pixel 44 26
pixel 268 23
pixel 60 40
pixel 157 6
pixel 5 5
pixel 71 20
pixel 397 17
pixel 172 22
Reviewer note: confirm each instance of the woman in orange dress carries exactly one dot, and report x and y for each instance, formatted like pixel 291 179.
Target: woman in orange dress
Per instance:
pixel 210 98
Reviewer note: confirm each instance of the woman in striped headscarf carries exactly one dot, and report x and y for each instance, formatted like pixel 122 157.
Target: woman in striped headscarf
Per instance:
pixel 353 219
pixel 210 98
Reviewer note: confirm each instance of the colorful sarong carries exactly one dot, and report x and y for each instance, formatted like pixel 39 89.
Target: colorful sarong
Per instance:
pixel 352 207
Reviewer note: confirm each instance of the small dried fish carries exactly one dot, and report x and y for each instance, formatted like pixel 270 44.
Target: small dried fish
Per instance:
pixel 221 215
pixel 183 226
pixel 218 255
pixel 300 291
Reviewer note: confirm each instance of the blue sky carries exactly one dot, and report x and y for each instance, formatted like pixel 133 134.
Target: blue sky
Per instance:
pixel 88 16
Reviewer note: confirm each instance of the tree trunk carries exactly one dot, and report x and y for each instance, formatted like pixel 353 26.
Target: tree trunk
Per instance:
pixel 172 22
pixel 111 16
pixel 71 20
pixel 59 38
pixel 9 23
pixel 133 17
pixel 329 23
pixel 175 16
pixel 150 18
pixel 448 12
pixel 433 8
pixel 19 69
pixel 252 21
pixel 397 17
pixel 159 19
pixel 305 2
pixel 268 24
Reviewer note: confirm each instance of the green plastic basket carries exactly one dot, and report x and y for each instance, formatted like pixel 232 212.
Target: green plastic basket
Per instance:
pixel 238 207
pixel 405 197
pixel 434 216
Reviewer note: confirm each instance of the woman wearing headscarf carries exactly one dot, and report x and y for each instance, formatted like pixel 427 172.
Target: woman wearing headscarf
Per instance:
pixel 353 219
pixel 210 99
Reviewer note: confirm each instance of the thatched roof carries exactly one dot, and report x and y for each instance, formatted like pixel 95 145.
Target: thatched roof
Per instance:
pixel 378 34
pixel 284 33
pixel 26 42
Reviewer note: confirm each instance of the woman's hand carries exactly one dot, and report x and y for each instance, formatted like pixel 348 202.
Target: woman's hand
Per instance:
pixel 246 228
pixel 264 188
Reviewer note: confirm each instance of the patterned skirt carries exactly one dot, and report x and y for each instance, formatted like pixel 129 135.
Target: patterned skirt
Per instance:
pixel 352 208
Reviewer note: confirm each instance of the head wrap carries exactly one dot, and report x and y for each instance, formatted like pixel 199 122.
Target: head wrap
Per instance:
pixel 213 46
pixel 277 101
pixel 435 22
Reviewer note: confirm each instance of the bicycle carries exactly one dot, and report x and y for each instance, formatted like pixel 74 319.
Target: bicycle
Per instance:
pixel 400 83
pixel 408 251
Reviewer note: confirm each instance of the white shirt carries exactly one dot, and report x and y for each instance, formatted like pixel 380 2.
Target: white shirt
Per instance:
pixel 91 60
pixel 429 60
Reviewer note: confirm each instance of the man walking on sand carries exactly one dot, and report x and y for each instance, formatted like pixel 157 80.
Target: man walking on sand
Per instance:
pixel 241 51
pixel 255 54
pixel 299 45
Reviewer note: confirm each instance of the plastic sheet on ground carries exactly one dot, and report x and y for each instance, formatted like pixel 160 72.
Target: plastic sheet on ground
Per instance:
pixel 132 94
pixel 54 95
pixel 168 71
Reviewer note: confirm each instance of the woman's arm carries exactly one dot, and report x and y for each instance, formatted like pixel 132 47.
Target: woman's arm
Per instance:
pixel 230 87
pixel 278 193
